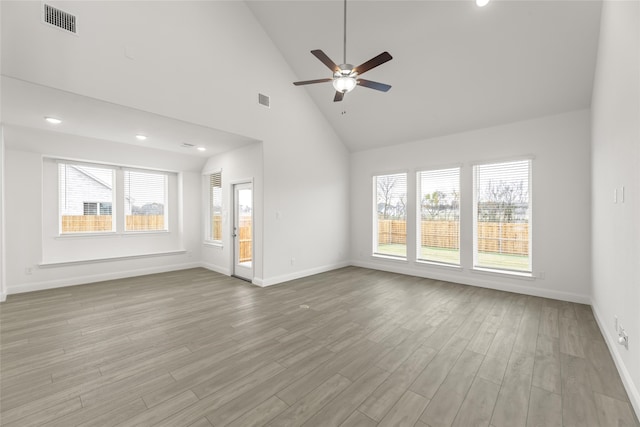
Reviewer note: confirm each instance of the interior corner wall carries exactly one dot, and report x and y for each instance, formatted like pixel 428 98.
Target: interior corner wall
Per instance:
pixel 305 164
pixel 25 214
pixel 560 197
pixel 238 165
pixel 616 186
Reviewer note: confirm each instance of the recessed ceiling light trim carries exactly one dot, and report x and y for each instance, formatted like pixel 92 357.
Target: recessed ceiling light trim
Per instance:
pixel 53 120
pixel 141 137
pixel 201 149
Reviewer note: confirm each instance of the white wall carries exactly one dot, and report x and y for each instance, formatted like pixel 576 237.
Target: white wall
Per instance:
pixel 237 165
pixel 560 195
pixel 616 164
pixel 204 62
pixel 3 281
pixel 31 239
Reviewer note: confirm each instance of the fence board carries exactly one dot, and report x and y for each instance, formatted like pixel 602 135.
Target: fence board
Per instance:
pixel 505 238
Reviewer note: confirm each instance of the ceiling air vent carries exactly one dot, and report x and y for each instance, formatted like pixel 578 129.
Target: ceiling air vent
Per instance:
pixel 59 18
pixel 187 145
pixel 263 100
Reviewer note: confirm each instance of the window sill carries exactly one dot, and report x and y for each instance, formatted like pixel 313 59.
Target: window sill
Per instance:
pixel 111 234
pixel 439 265
pixel 390 257
pixel 213 244
pixel 85 235
pixel 489 271
pixel 47 264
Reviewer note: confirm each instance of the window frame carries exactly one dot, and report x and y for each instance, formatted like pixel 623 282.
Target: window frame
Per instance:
pixel 492 269
pixel 208 223
pixel 114 221
pixel 375 231
pixel 418 231
pixel 118 212
pixel 165 205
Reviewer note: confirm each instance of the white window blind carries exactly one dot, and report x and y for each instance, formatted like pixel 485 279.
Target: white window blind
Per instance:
pixel 439 216
pixel 145 200
pixel 502 207
pixel 85 198
pixel 215 206
pixel 390 210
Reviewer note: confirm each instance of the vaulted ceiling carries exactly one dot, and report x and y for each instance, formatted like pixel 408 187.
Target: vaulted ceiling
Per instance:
pixel 455 66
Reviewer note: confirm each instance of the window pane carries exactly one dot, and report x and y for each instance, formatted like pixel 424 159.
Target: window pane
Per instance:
pixel 503 209
pixel 81 189
pixel 439 204
pixel 215 206
pixel 145 195
pixel 390 237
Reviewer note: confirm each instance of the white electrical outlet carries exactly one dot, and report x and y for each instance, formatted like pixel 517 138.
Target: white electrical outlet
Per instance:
pixel 293 261
pixel 28 270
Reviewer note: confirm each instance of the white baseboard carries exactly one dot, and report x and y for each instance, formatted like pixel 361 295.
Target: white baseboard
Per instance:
pixel 519 285
pixel 614 349
pixel 3 296
pixel 80 280
pixel 270 281
pixel 215 268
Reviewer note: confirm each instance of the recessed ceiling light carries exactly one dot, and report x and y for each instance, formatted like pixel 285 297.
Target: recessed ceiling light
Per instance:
pixel 202 149
pixel 482 3
pixel 53 120
pixel 141 137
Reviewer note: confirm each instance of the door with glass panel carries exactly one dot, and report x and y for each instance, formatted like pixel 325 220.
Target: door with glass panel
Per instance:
pixel 243 231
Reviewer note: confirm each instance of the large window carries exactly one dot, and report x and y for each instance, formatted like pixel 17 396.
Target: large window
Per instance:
pixel 215 207
pixel 439 216
pixel 502 223
pixel 86 197
pixel 145 195
pixel 390 210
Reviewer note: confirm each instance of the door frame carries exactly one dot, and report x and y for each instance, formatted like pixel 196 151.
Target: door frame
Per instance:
pixel 232 260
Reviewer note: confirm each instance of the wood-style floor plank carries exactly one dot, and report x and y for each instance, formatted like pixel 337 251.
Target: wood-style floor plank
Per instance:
pixel 351 347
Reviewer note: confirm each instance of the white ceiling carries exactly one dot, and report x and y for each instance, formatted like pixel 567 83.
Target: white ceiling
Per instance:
pixel 26 104
pixel 456 67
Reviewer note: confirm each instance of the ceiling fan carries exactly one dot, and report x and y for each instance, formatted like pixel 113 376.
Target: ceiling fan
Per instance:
pixel 346 76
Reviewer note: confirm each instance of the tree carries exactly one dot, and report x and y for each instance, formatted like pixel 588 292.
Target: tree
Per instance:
pixel 432 203
pixel 501 201
pixel 385 193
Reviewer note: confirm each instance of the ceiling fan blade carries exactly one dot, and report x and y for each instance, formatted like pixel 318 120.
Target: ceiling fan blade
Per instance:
pixel 373 62
pixel 308 82
pixel 338 97
pixel 325 60
pixel 374 85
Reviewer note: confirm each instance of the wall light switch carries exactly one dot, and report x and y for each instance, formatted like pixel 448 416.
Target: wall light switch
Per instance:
pixel 615 195
pixel 622 194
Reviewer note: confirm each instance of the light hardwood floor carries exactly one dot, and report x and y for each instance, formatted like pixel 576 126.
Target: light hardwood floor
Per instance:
pixel 351 347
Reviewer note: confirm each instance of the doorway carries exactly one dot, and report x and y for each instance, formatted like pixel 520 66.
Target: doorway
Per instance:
pixel 243 231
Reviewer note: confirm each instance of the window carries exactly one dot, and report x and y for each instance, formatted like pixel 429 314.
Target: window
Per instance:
pixel 215 207
pixel 92 208
pixel 85 198
pixel 439 216
pixel 145 199
pixel 502 223
pixel 390 210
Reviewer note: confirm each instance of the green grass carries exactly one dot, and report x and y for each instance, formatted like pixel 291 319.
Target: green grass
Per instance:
pixel 452 256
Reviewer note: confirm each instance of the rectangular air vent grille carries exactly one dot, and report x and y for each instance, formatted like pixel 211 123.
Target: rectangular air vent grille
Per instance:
pixel 263 100
pixel 59 18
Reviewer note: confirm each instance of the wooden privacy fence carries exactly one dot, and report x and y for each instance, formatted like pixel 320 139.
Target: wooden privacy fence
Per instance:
pixel 504 238
pixel 97 223
pixel 244 234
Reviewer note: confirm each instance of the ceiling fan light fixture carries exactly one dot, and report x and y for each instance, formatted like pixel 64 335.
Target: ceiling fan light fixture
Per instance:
pixel 344 84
